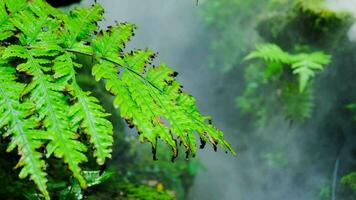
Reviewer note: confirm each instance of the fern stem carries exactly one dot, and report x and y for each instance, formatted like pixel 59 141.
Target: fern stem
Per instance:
pixel 116 64
pixel 103 58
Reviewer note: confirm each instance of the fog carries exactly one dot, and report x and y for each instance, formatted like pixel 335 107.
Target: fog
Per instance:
pixel 345 6
pixel 342 5
pixel 174 29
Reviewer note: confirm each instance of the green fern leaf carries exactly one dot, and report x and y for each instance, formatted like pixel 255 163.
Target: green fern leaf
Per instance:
pixel 157 112
pixel 34 28
pixel 86 113
pixel 16 5
pixel 303 65
pixel 290 72
pixel 24 136
pixel 80 24
pixel 91 116
pixel 53 109
pixel 6 27
pixel 108 45
pixel 270 52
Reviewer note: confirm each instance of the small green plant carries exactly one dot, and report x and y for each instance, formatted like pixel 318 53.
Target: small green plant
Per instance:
pixel 46 113
pixel 303 65
pixel 350 180
pixel 284 77
pixel 73 189
pixel 325 192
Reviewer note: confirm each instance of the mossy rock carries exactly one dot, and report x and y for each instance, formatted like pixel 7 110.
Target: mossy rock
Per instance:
pixel 306 23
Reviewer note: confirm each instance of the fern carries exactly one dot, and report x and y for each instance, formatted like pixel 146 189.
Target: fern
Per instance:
pixel 14 115
pixel 285 77
pixel 303 65
pixel 271 53
pixel 42 104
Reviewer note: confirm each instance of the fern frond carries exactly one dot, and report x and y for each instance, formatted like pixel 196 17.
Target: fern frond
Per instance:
pixel 303 65
pixel 16 5
pixel 6 27
pixel 288 77
pixel 24 136
pixel 157 111
pixel 53 109
pixel 34 29
pixel 91 116
pixel 80 24
pixel 43 9
pixel 113 41
pixel 269 53
pixel 86 113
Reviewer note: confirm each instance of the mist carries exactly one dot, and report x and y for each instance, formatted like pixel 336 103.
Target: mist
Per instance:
pixel 345 6
pixel 174 29
pixel 342 5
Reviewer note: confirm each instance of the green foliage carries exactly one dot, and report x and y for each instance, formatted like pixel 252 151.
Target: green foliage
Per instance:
pixel 236 25
pixel 130 191
pixel 143 192
pixel 21 126
pixel 285 78
pixel 137 175
pixel 303 65
pixel 44 111
pixel 272 87
pixel 73 191
pixel 350 180
pixel 325 192
pixel 232 27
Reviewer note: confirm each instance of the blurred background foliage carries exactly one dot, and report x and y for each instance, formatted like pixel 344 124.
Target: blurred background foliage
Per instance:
pixel 282 28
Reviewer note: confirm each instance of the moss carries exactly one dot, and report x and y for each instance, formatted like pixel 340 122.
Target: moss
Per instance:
pixel 306 23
